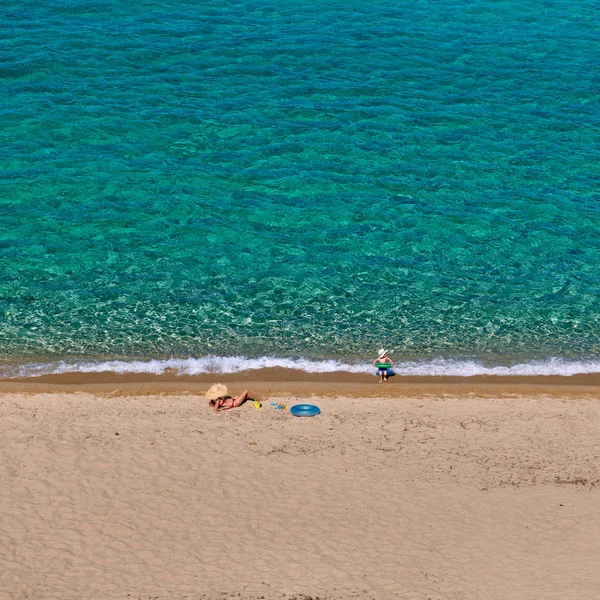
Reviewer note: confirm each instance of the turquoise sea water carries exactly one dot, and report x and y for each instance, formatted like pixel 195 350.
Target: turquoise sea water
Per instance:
pixel 183 180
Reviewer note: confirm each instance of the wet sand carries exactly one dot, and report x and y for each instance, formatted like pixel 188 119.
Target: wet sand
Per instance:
pixel 279 380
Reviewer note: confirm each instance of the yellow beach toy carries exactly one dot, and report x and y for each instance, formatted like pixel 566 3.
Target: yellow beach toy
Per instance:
pixel 256 403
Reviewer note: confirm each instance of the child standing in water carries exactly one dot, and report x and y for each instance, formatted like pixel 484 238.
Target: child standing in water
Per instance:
pixel 383 363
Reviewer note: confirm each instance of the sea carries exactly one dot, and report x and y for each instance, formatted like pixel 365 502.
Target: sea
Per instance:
pixel 227 185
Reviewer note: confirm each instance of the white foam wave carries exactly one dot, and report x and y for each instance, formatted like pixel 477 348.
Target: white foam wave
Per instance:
pixel 237 364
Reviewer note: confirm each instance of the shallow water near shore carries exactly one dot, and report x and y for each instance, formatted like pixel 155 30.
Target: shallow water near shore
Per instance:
pixel 222 183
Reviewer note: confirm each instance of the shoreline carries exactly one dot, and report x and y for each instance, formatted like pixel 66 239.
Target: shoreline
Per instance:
pixel 277 381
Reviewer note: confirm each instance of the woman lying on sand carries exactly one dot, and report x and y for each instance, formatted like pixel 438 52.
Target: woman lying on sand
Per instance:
pixel 217 398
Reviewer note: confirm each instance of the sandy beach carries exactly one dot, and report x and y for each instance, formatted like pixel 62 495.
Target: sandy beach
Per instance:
pixel 420 490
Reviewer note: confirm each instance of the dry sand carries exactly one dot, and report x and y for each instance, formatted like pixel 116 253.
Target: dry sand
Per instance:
pixel 392 492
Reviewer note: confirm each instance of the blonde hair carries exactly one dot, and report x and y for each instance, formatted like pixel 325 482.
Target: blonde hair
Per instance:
pixel 216 390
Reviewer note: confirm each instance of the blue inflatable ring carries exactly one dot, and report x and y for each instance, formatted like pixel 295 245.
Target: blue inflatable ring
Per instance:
pixel 305 410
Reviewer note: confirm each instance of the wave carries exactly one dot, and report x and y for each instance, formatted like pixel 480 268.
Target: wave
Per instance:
pixel 222 365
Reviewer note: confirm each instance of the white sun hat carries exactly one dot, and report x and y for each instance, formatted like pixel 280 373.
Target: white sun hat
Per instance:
pixel 382 353
pixel 216 390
